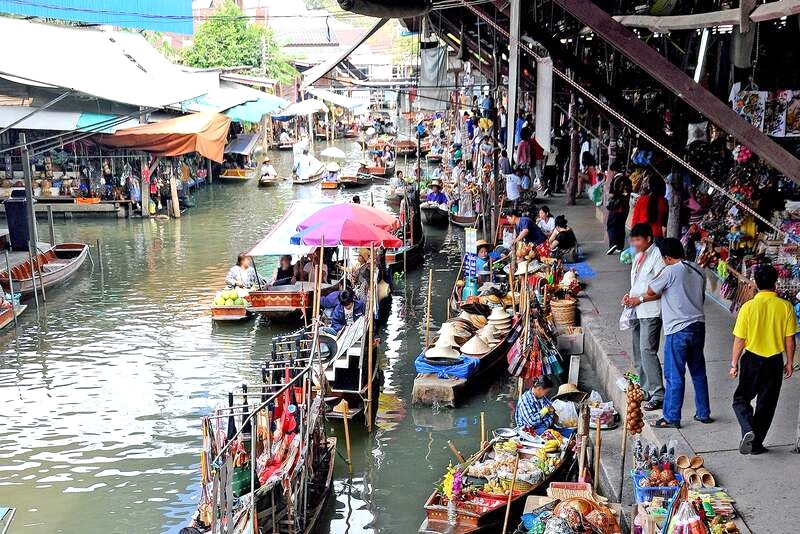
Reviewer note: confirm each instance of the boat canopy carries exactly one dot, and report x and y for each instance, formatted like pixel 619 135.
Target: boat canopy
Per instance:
pixel 304 107
pixel 242 144
pixel 278 241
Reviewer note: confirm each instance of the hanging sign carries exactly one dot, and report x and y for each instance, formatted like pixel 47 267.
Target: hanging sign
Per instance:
pixel 470 239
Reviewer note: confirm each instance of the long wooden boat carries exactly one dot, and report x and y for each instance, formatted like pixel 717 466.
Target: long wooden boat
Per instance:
pixel 434 216
pixel 464 222
pixel 285 302
pixel 409 255
pixel 357 180
pixel 405 147
pixel 430 389
pixel 326 185
pixel 50 267
pixel 313 177
pixel 238 175
pixel 7 314
pixel 487 515
pixel 434 158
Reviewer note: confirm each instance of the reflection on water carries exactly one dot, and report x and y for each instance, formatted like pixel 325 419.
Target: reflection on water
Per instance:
pixel 102 390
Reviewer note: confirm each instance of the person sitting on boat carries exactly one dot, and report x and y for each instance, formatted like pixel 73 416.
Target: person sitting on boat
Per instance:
pixel 311 266
pixel 534 409
pixel 284 273
pixel 242 274
pixel 285 138
pixel 482 261
pixel 302 164
pixel 267 169
pixel 363 167
pixel 331 172
pixel 527 230
pixel 437 172
pixel 436 194
pixel 346 312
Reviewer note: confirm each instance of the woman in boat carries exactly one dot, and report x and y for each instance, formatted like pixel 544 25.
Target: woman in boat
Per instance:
pixel 331 172
pixel 563 239
pixel 242 274
pixel 436 194
pixel 311 266
pixel 267 170
pixel 534 409
pixel 346 312
pixel 284 273
pixel 482 261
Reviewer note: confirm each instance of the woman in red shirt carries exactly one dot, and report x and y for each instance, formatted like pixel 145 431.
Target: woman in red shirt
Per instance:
pixel 652 208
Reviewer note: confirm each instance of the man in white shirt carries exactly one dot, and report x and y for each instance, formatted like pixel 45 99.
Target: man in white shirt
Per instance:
pixel 646 327
pixel 513 182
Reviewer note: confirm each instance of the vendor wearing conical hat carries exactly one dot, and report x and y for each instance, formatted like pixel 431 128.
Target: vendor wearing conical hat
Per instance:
pixel 436 195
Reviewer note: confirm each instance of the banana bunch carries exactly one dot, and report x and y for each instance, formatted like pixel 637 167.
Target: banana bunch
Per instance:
pixel 501 487
pixel 551 445
pixel 507 446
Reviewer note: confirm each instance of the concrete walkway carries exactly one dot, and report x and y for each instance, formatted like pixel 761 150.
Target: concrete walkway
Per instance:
pixel 764 486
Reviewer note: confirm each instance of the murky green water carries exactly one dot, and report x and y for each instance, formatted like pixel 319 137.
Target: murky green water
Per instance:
pixel 102 392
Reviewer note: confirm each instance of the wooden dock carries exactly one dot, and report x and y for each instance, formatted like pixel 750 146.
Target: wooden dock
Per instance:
pixel 67 210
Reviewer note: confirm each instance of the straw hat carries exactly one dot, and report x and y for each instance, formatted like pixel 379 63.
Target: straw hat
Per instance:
pixel 266 159
pixel 478 321
pixel 569 392
pixel 333 167
pixel 447 339
pixel 445 353
pixel 363 162
pixel 475 347
pixel 529 266
pixel 436 183
pixel 499 315
pixel 488 332
pixel 481 243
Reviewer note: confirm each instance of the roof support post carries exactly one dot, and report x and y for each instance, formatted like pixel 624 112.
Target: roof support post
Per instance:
pixel 513 73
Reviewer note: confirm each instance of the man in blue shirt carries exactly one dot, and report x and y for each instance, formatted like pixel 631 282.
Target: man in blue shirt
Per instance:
pixel 486 105
pixel 470 126
pixel 436 194
pixel 346 312
pixel 534 409
pixel 527 230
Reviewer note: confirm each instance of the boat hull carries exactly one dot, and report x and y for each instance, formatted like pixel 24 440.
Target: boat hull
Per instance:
pixel 434 216
pixel 229 313
pixel 237 175
pixel 7 314
pixel 268 181
pixel 464 222
pixel 58 264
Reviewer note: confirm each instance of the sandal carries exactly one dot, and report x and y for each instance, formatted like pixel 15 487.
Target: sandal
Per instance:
pixel 663 423
pixel 652 405
pixel 704 420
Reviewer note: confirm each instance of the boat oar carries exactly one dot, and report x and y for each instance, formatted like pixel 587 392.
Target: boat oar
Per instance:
pixel 511 494
pixel 428 309
pixel 455 451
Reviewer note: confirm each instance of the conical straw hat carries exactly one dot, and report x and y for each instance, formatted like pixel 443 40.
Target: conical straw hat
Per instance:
pixel 475 347
pixel 442 352
pixel 446 340
pixel 499 314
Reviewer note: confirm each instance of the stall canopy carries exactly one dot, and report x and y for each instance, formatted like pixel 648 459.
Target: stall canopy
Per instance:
pixel 56 120
pixel 305 107
pixel 242 144
pixel 279 240
pixel 204 133
pixel 340 100
pixel 254 111
pixel 132 72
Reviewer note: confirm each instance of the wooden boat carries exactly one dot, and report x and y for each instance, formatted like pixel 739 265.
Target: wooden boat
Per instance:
pixel 7 314
pixel 238 175
pixel 358 180
pixel 412 252
pixel 287 302
pixel 314 176
pixel 50 267
pixel 405 147
pixel 229 313
pixel 324 184
pixel 288 145
pixel 487 515
pixel 430 389
pixel 434 158
pixel 267 180
pixel 434 216
pixel 464 222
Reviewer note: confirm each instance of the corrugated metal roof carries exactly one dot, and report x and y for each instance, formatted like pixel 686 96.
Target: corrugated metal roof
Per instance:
pixel 171 16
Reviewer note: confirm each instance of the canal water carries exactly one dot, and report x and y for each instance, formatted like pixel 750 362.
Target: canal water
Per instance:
pixel 103 388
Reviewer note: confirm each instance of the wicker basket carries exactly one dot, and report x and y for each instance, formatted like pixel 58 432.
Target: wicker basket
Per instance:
pixel 565 311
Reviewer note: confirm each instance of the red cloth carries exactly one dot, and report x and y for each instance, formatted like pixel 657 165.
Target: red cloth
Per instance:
pixel 524 153
pixel 640 215
pixel 538 151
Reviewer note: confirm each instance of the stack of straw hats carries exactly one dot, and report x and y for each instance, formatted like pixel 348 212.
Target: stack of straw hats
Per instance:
pixel 500 319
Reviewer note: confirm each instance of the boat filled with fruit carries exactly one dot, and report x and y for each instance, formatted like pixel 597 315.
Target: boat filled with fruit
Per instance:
pixel 474 495
pixel 230 305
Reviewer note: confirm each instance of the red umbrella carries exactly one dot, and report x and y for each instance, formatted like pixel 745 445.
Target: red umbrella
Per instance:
pixel 356 212
pixel 347 233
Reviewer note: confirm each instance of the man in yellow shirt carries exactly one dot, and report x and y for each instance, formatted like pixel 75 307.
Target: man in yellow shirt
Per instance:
pixel 764 331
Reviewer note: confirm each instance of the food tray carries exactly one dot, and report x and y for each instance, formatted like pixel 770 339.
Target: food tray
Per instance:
pixel 644 495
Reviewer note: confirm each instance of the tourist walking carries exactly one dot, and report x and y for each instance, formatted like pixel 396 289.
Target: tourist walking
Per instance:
pixel 681 286
pixel 646 323
pixel 764 331
pixel 618 206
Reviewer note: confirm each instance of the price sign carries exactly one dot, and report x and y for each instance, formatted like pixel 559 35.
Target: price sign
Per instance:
pixel 470 269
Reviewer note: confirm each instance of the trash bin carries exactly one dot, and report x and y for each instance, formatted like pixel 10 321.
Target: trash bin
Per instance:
pixel 17 218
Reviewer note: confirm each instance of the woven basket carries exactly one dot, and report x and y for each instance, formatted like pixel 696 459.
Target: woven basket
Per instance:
pixel 519 485
pixel 565 311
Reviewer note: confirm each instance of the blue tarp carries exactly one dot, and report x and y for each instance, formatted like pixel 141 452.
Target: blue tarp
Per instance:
pixel 462 369
pixel 254 111
pixel 582 269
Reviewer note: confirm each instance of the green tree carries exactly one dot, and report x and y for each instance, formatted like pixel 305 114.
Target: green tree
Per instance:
pixel 227 39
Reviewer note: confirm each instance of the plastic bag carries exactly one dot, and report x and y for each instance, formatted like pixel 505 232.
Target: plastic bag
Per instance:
pixel 567 413
pixel 626 318
pixel 595 193
pixel 686 521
